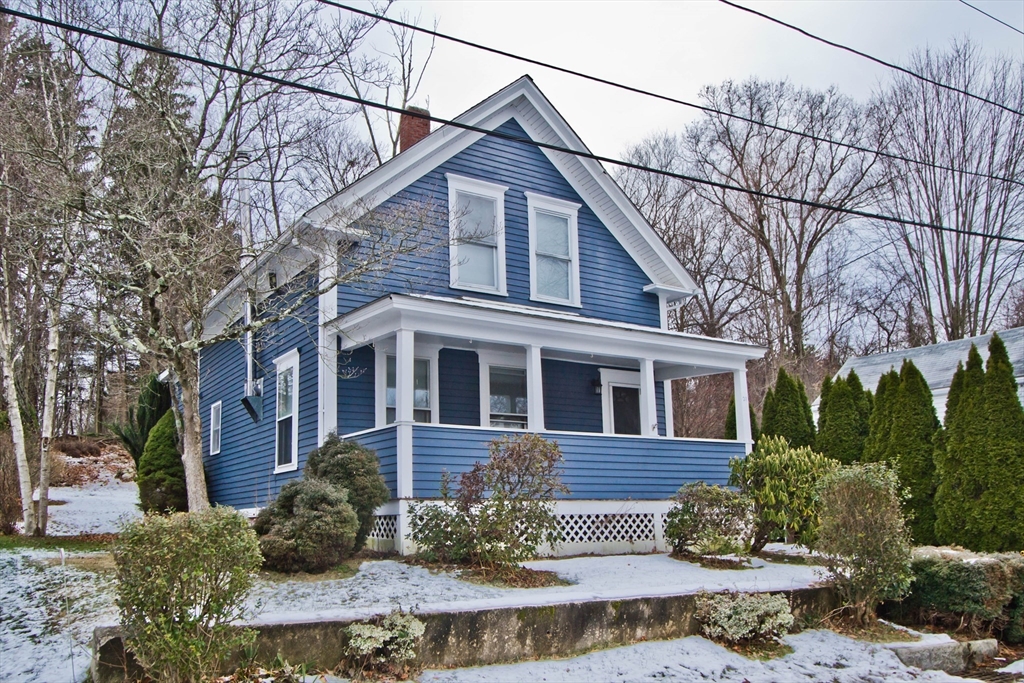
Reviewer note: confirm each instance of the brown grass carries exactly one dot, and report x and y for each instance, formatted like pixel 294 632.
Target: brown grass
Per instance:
pixel 710 562
pixel 761 650
pixel 876 632
pixel 505 577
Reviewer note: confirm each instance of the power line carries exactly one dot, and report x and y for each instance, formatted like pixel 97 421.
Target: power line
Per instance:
pixel 665 98
pixel 993 18
pixel 876 60
pixel 314 90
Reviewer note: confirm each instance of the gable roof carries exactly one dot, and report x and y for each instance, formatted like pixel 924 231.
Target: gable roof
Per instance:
pixel 524 102
pixel 936 362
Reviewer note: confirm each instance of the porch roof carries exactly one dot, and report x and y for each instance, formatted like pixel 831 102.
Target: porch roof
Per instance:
pixel 502 323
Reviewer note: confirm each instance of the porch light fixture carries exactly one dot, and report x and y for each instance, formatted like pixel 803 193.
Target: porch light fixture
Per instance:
pixel 596 383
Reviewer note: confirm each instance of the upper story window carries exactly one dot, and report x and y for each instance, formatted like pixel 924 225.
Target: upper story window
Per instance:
pixel 476 243
pixel 554 251
pixel 287 410
pixel 215 412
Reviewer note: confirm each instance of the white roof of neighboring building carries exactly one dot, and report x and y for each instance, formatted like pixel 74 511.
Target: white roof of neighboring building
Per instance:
pixel 938 362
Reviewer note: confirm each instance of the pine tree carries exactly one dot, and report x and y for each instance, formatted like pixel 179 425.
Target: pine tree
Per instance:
pixel 730 422
pixel 910 449
pixel 840 436
pixel 880 423
pixel 788 413
pixel 955 493
pixel 998 515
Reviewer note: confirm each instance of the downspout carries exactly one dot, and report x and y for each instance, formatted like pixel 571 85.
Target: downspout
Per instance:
pixel 247 257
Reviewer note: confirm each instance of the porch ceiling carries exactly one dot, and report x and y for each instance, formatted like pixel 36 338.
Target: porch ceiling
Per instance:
pixel 570 336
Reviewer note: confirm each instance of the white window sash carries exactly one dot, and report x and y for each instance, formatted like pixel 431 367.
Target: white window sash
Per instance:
pixel 285 363
pixel 216 414
pixel 559 207
pixel 471 186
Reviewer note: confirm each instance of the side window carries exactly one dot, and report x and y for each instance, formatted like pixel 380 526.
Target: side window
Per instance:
pixel 554 250
pixel 287 396
pixel 420 391
pixel 476 234
pixel 508 405
pixel 215 411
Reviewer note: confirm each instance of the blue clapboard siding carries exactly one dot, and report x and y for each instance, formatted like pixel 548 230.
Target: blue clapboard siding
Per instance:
pixel 596 467
pixel 458 386
pixel 659 399
pixel 611 283
pixel 570 403
pixel 383 441
pixel 356 390
pixel 242 474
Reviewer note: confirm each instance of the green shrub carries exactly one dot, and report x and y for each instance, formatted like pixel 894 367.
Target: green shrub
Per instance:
pixel 705 519
pixel 384 647
pixel 154 401
pixel 863 537
pixel 309 527
pixel 355 468
pixel 840 434
pixel 161 472
pixel 981 594
pixel 743 617
pixel 730 422
pixel 181 582
pixel 779 482
pixel 787 412
pixel 500 530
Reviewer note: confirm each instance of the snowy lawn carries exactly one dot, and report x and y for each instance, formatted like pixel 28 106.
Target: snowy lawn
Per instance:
pixel 99 507
pixel 819 656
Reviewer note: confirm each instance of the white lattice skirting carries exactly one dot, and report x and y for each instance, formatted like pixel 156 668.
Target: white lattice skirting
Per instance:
pixel 603 527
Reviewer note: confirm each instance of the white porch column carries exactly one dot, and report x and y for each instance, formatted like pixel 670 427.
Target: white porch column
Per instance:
pixel 404 342
pixel 534 390
pixel 742 400
pixel 648 399
pixel 670 423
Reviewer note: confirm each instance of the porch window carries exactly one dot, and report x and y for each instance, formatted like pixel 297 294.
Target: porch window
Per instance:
pixel 476 234
pixel 508 397
pixel 215 411
pixel 420 390
pixel 554 257
pixel 287 442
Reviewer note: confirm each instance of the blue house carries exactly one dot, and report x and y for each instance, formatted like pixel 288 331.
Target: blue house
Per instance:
pixel 539 302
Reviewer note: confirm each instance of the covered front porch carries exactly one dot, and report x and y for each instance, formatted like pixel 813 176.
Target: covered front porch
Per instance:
pixel 436 380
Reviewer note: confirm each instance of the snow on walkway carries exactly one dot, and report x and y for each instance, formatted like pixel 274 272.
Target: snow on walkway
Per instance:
pixel 380 587
pixel 818 657
pixel 99 507
pixel 47 615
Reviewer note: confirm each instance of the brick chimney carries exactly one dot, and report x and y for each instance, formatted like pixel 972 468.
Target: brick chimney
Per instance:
pixel 412 129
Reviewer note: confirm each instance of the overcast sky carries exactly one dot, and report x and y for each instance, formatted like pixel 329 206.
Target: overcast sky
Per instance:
pixel 676 47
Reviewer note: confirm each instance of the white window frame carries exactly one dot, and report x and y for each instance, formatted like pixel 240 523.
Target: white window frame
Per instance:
pixel 216 422
pixel 283 362
pixel 382 350
pixel 534 203
pixel 481 188
pixel 615 378
pixel 501 359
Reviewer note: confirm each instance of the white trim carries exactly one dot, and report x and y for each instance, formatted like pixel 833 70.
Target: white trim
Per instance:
pixel 219 412
pixel 553 432
pixel 648 398
pixel 670 417
pixel 480 188
pixel 559 207
pixel 289 360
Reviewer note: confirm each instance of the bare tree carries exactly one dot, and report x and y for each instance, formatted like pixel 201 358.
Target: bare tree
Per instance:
pixel 960 284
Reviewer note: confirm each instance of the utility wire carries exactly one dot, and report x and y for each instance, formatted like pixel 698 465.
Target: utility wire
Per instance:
pixel 665 98
pixel 876 60
pixel 127 42
pixel 993 18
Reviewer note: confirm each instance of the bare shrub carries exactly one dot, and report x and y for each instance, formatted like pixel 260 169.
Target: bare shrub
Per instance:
pixel 707 520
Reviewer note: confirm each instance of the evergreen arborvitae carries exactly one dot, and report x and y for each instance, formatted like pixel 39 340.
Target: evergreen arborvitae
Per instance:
pixel 956 490
pixel 826 389
pixel 911 450
pixel 730 422
pixel 998 513
pixel 161 472
pixel 840 436
pixel 863 399
pixel 808 413
pixel 788 412
pixel 880 423
pixel 768 410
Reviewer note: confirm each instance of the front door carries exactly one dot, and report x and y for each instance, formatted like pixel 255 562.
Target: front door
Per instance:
pixel 625 409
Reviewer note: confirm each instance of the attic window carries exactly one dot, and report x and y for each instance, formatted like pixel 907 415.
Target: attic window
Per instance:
pixel 554 250
pixel 476 234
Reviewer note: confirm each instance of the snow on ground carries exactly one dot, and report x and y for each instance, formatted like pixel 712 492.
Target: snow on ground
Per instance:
pixel 380 587
pixel 47 615
pixel 1015 668
pixel 818 656
pixel 99 507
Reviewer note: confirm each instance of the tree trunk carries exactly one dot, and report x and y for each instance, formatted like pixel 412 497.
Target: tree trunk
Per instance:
pixel 192 436
pixel 17 432
pixel 49 407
